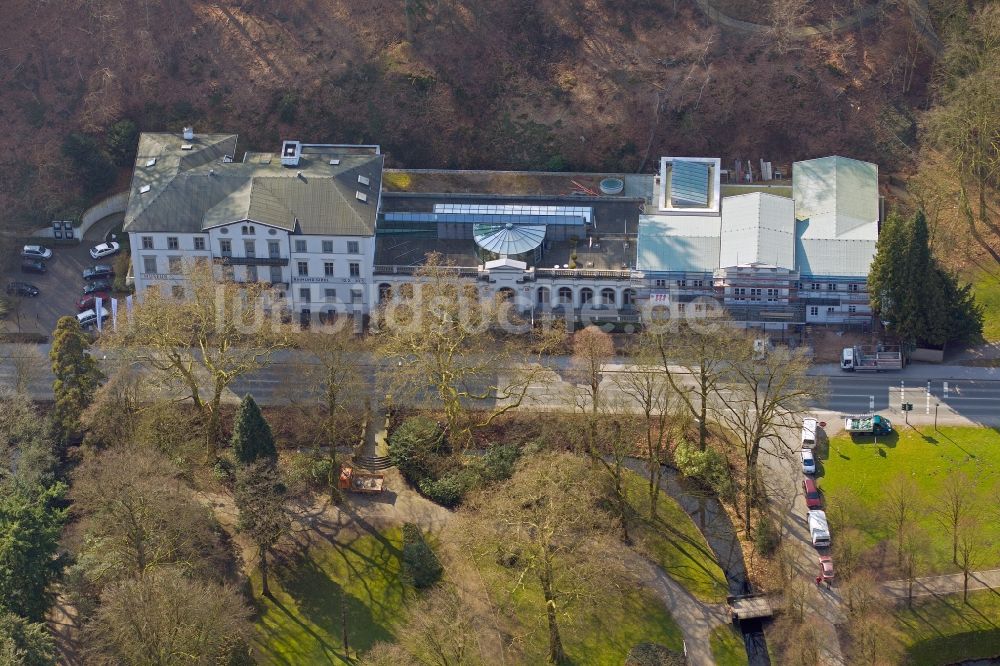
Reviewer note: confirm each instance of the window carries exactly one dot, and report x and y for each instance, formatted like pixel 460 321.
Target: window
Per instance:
pixel 328 268
pixel 327 247
pixel 199 243
pixel 698 283
pixel 682 283
pixel 275 274
pixel 353 247
pixel 149 264
pixel 814 286
pixel 172 243
pixel 300 246
pixel 226 247
pixel 740 291
pixel 814 311
pixel 755 293
pixel 565 295
pixel 831 286
pixel 608 297
pixel 174 265
pixel 586 296
pixel 228 273
pixel 251 273
pixel 303 267
pixel 853 287
pixel 355 269
pixel 680 308
pixel 330 295
pixel 251 230
pixel 357 296
pixel 628 298
pixel 660 283
pixel 177 291
pixel 829 312
pixel 772 292
pixel 147 242
pixel 250 248
pixel 543 295
pixel 852 309
pixel 273 249
pixel 305 294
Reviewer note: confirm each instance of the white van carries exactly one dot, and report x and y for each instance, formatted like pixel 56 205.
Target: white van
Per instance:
pixel 88 318
pixel 819 529
pixel 847 359
pixel 809 427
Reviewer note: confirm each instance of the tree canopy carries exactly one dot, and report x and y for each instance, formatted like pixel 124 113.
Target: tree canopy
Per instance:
pixel 76 373
pixel 252 437
pixel 920 301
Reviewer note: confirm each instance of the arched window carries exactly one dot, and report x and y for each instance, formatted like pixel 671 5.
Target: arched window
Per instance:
pixel 505 294
pixel 565 296
pixel 608 296
pixel 406 290
pixel 543 295
pixel 384 292
pixel 586 296
pixel 628 298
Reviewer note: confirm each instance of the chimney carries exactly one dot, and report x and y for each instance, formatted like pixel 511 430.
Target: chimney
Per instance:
pixel 188 133
pixel 291 152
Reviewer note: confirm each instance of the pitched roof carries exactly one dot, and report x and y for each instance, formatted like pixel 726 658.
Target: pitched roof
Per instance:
pixel 836 197
pixel 758 228
pixel 678 243
pixel 192 191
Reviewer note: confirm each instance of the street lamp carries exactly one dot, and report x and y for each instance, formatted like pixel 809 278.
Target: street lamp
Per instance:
pixel 936 405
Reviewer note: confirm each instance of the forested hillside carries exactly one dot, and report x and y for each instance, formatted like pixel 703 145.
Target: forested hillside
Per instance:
pixel 553 84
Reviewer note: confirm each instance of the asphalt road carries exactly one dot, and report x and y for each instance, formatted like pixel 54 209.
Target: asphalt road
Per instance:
pixel 975 399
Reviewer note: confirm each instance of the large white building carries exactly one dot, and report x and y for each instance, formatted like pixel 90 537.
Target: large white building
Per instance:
pixel 319 222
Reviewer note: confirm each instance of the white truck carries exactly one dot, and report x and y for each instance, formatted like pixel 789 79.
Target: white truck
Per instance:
pixel 871 359
pixel 819 529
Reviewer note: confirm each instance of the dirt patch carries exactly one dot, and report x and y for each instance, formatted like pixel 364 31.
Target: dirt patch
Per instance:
pixel 828 344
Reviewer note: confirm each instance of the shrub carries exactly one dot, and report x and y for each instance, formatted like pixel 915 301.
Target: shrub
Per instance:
pixel 305 472
pixel 92 165
pixel 653 654
pixel 415 447
pixel 708 468
pixel 765 536
pixel 498 463
pixel 122 141
pixel 420 565
pixel 450 489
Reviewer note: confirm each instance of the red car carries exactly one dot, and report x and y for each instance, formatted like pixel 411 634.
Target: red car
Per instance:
pixel 826 567
pixel 813 499
pixel 89 302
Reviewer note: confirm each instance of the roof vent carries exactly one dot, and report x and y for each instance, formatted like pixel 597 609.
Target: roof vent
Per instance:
pixel 186 146
pixel 144 189
pixel 364 180
pixel 298 174
pixel 334 162
pixel 361 196
pixel 151 162
pixel 211 172
pixel 189 134
pixel 291 153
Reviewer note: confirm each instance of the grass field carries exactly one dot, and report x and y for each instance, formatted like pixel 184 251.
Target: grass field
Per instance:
pixel 867 469
pixel 727 647
pixel 302 624
pixel 987 290
pixel 945 630
pixel 674 542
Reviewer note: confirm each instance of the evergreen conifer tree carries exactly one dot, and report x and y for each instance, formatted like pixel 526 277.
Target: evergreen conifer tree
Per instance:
pixel 76 375
pixel 252 436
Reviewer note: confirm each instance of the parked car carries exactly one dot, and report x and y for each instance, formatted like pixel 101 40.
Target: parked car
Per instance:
pixel 819 529
pixel 98 272
pixel 21 289
pixel 89 301
pixel 88 318
pixel 826 567
pixel 813 499
pixel 808 461
pixel 104 250
pixel 96 286
pixel 36 252
pixel 33 266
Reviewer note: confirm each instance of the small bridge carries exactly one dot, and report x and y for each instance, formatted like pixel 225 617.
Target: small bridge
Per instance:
pixel 749 607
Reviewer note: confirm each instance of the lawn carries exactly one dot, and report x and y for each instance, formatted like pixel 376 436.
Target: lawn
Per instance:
pixel 945 630
pixel 866 469
pixel 674 542
pixel 727 646
pixel 987 290
pixel 303 624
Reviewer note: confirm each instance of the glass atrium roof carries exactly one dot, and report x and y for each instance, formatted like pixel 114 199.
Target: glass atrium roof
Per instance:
pixel 508 239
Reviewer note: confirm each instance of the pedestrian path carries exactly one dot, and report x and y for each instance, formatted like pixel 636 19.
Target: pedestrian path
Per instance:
pixel 896 590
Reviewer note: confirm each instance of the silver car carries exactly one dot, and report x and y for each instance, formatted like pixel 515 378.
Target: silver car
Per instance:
pixel 36 252
pixel 104 250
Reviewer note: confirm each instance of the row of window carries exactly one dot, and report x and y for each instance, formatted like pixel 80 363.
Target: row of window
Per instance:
pixel 564 296
pixel 302 268
pixel 814 310
pixel 755 292
pixel 330 295
pixel 662 283
pixel 273 247
pixel 831 286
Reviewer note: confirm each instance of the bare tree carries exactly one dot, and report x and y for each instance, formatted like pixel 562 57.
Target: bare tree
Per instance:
pixel 29 366
pixel 592 350
pixel 786 17
pixel 548 528
pixel 260 499
pixel 215 333
pixel 761 404
pixel 445 350
pixel 970 545
pixel 958 500
pixel 901 505
pixel 914 554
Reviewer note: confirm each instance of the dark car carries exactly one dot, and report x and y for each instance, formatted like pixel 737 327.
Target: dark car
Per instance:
pixel 813 499
pixel 21 289
pixel 32 266
pixel 89 302
pixel 96 286
pixel 98 272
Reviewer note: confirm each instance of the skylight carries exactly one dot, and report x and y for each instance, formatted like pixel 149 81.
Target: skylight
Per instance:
pixel 144 189
pixel 364 180
pixel 361 196
pixel 151 161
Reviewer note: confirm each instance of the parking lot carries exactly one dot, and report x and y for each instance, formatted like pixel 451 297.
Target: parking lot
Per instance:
pixel 60 286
